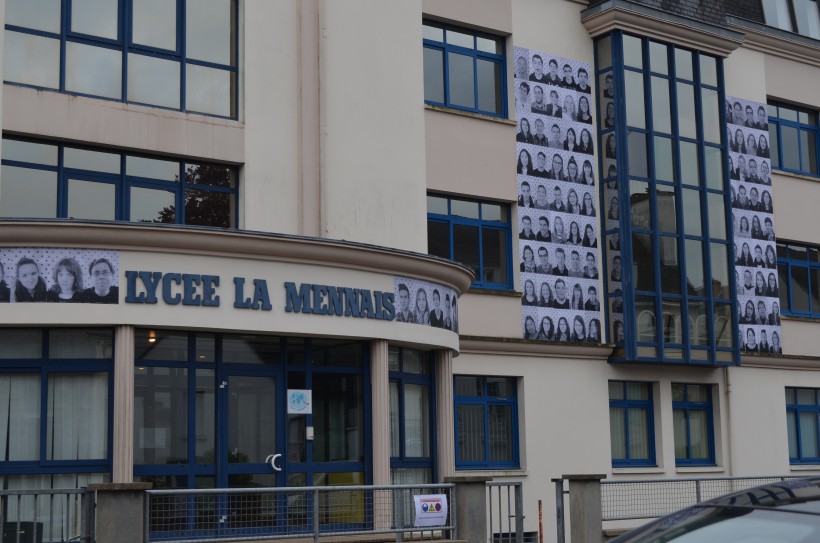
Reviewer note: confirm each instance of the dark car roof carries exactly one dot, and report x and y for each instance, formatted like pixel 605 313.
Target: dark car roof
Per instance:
pixel 792 494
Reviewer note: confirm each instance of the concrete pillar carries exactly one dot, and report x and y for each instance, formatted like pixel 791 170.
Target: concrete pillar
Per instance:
pixel 119 512
pixel 380 408
pixel 445 435
pixel 470 507
pixel 586 525
pixel 123 457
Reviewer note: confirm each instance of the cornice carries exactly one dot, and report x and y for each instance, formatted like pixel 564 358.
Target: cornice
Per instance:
pixel 780 362
pixel 645 21
pixel 234 244
pixel 523 347
pixel 777 42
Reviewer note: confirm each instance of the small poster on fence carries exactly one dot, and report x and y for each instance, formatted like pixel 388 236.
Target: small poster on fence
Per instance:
pixel 431 510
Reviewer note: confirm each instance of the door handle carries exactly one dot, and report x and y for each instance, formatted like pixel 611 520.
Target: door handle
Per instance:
pixel 271 459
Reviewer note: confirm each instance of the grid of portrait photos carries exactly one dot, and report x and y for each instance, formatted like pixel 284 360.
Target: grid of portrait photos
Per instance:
pixel 557 204
pixel 425 303
pixel 753 219
pixel 59 275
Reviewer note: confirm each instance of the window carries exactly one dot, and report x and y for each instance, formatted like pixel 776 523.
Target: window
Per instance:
pixel 694 431
pixel 802 411
pixel 631 426
pixel 664 162
pixel 411 415
pixel 55 390
pixel 793 135
pixel 46 180
pixel 799 270
pixel 464 69
pixel 477 234
pixel 486 422
pixel 176 54
pixel 801 15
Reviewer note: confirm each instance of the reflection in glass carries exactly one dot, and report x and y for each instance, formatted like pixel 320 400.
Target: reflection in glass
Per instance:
pixel 671 322
pixel 714 167
pixel 209 30
pixel 635 109
pixel 31 60
pixel 95 17
pixel 789 147
pixel 80 343
pixel 664 160
pixel 698 325
pixel 25 151
pixel 683 64
pixel 658 58
pixel 604 53
pixel 637 154
pixel 807 15
pixel 210 175
pixel 90 200
pixel 205 416
pixel 687 120
pixel 807 147
pixel 166 345
pixel 95 161
pixel 720 270
pixel 494 245
pixel 667 205
pixel 776 13
pixel 151 168
pixel 640 207
pixel 433 75
pixel 153 81
pixel 460 39
pixel 708 70
pixel 710 115
pixel 28 193
pixel 432 32
pixel 251 408
pixel 21 343
pixel 645 315
pixel 670 265
pixel 489 85
pixel 661 113
pixel 493 212
pixel 463 208
pixel 489 44
pixel 465 246
pixel 338 418
pixel 694 268
pixel 35 14
pixel 461 80
pixel 633 55
pixel 643 265
pixel 437 205
pixel 155 23
pixel 689 163
pixel 438 239
pixel 717 215
pixel 207 208
pixel 93 70
pixel 153 206
pixel 161 416
pixel 209 90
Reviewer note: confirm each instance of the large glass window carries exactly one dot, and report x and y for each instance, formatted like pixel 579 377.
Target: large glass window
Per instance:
pixel 464 69
pixel 631 426
pixel 411 411
pixel 474 233
pixel 693 424
pixel 486 413
pixel 802 416
pixel 48 180
pixel 793 135
pixel 801 16
pixel 799 269
pixel 670 168
pixel 177 54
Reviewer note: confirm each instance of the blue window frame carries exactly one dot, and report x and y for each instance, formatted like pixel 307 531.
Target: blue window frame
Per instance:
pixel 412 416
pixel 803 421
pixel 793 136
pixel 46 180
pixel 631 424
pixel 474 233
pixel 665 160
pixel 174 54
pixel 464 69
pixel 798 266
pixel 486 422
pixel 693 424
pixel 56 388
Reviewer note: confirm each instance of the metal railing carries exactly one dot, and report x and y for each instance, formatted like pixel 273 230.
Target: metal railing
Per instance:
pixel 35 516
pixel 652 498
pixel 505 512
pixel 285 512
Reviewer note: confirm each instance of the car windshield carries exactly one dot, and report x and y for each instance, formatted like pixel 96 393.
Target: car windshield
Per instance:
pixel 731 525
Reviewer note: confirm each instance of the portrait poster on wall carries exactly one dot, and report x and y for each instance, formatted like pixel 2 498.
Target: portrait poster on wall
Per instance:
pixel 754 229
pixel 557 204
pixel 59 275
pixel 425 303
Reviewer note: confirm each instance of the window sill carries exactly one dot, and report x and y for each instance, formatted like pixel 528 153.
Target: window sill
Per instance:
pixel 649 470
pixel 804 467
pixel 802 318
pixel 471 114
pixel 700 469
pixel 511 293
pixel 793 175
pixel 513 472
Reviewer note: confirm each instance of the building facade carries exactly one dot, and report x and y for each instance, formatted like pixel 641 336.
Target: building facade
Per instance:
pixel 284 274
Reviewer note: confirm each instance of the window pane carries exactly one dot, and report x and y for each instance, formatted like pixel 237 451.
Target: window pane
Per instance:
pixel 710 115
pixel 210 175
pixel 670 265
pixel 658 58
pixel 95 17
pixel 468 385
pixel 206 208
pixel 77 416
pixel 691 212
pixel 93 70
pixel 501 433
pixel 432 32
pixel 661 116
pixel 683 64
pixel 699 435
pixel 808 435
pixel 209 90
pixel 31 60
pixel 437 205
pixel 416 421
pixel 160 415
pixel 160 345
pixel 24 151
pixel 21 343
pixel 395 421
pixel 806 396
pixel 815 290
pixel 90 200
pixel 36 14
pixel 791 418
pixel 494 245
pixel 500 387
pixel 679 421
pixel 95 161
pixel 438 239
pixel 808 18
pixel 637 391
pixel 689 163
pixel 616 390
pixel 153 81
pixel 783 279
pixel 720 271
pixel 462 208
pixel 694 267
pixel 639 204
pixel 465 246
pixel 717 215
pixel 460 39
pixel 723 325
pixel 489 44
pixel 635 109
pixel 774 148
pixel 808 151
pixel 604 52
pixel 637 154
pixel 433 75
pixel 645 314
pixel 708 70
pixel 687 120
pixel 153 206
pixel 671 322
pixel 638 434
pixel 151 168
pixel 461 80
pixel 470 434
pixel 664 163
pixel 643 261
pixel 698 326
pixel 790 152
pixel 714 168
pixel 493 212
pixel 787 113
pixel 20 397
pixel 633 55
pixel 799 288
pixel 617 432
pixel 155 23
pixel 776 13
pixel 28 193
pixel 80 343
pixel 489 85
pixel 209 30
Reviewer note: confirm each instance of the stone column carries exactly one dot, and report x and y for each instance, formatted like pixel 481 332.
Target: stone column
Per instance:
pixel 123 454
pixel 586 525
pixel 380 408
pixel 445 436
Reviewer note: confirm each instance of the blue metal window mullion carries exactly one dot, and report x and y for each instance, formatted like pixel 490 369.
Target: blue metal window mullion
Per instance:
pixel 475 74
pixel 191 422
pixel 182 47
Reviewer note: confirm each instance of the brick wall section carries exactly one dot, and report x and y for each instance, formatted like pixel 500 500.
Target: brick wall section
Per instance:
pixel 707 11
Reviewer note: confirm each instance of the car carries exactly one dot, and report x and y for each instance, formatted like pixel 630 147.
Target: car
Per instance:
pixel 783 512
